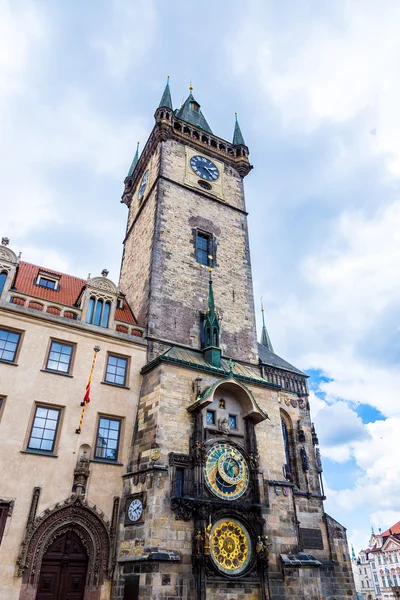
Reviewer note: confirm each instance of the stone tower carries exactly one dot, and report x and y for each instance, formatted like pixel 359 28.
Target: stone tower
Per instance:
pixel 222 498
pixel 186 203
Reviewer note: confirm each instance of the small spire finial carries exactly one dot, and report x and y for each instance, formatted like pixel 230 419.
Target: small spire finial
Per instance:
pixel 190 86
pixel 265 339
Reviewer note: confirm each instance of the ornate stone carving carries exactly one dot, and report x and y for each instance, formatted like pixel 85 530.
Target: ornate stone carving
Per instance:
pixel 81 474
pixel 318 461
pixel 8 255
pixel 102 283
pixel 73 514
pixel 305 463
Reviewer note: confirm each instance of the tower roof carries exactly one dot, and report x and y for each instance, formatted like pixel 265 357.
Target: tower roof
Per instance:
pixel 238 139
pixel 134 162
pixel 191 113
pixel 265 339
pixel 166 101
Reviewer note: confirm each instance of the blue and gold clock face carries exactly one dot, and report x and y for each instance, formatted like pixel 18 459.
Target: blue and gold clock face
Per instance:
pixel 204 168
pixel 226 472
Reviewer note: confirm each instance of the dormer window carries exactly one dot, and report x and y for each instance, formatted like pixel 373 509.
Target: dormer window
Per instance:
pixel 50 282
pixel 194 106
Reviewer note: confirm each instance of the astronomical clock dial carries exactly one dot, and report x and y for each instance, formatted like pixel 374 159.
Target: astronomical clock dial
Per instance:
pixel 230 546
pixel 135 510
pixel 226 472
pixel 143 184
pixel 204 168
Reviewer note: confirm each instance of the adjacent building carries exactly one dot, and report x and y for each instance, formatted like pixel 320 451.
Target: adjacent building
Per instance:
pixel 150 446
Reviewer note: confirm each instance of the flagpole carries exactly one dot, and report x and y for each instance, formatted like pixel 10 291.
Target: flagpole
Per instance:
pixel 86 398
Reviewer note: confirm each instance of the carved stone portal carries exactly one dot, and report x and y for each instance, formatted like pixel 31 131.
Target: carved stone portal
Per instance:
pixel 74 514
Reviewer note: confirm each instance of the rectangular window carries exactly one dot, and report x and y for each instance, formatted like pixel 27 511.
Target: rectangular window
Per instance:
pixel 211 417
pixel 107 438
pixel 59 358
pixel 394 579
pixel 4 508
pixel 383 582
pixel 50 284
pixel 179 477
pixel 203 248
pixel 44 429
pixel 116 369
pixel 232 422
pixel 9 341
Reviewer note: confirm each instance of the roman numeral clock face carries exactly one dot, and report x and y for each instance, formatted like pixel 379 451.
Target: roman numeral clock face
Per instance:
pixel 204 168
pixel 135 510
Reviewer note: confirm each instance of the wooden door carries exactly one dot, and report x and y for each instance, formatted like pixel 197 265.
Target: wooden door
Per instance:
pixel 63 571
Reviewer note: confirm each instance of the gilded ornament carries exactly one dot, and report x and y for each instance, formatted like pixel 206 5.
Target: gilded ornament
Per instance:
pixel 226 472
pixel 155 453
pixel 230 546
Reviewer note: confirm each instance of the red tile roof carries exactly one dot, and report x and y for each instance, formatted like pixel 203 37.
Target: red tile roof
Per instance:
pixel 394 529
pixel 69 289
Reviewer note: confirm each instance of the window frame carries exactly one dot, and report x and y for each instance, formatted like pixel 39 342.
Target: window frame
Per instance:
pixel 127 369
pixel 115 460
pixel 210 246
pixel 235 417
pixel 48 277
pixel 72 345
pixel 57 430
pixel 103 315
pixel 214 414
pixel 2 406
pixel 18 346
pixel 4 514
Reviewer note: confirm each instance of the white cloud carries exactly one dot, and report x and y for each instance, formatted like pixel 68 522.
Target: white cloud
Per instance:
pixel 128 35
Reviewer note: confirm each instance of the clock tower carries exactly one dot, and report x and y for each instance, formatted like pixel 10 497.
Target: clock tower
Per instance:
pixel 222 496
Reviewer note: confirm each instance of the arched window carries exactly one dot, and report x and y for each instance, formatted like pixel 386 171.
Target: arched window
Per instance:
pixel 286 442
pixel 289 467
pixel 97 312
pixel 3 278
pixel 105 315
pixel 89 317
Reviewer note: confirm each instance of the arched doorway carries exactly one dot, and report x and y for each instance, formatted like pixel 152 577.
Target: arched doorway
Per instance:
pixel 64 569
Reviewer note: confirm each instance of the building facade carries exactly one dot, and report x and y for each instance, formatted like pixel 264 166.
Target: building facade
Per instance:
pixel 194 472
pixel 378 567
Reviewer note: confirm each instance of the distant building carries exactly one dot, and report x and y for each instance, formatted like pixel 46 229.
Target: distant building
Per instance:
pixel 377 569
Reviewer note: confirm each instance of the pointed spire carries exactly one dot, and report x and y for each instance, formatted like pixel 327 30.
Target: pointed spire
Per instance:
pixel 191 113
pixel 265 340
pixel 134 162
pixel 238 139
pixel 166 101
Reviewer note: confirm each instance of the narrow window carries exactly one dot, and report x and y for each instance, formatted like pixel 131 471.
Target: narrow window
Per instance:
pixel 97 313
pixel 232 422
pixel 4 508
pixel 106 315
pixel 107 438
pixel 44 429
pixel 203 248
pixel 89 317
pixel 179 478
pixel 2 403
pixel 3 279
pixel 9 341
pixel 210 417
pixel 59 358
pixel 288 468
pixel 116 370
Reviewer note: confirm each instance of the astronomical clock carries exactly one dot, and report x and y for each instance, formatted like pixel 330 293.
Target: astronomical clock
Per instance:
pixel 216 487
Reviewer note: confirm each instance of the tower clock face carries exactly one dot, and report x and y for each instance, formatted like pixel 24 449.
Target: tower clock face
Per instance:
pixel 135 510
pixel 204 168
pixel 226 472
pixel 230 546
pixel 143 184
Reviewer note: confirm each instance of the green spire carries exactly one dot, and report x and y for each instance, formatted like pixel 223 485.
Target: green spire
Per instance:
pixel 191 113
pixel 211 327
pixel 238 139
pixel 265 341
pixel 134 162
pixel 166 101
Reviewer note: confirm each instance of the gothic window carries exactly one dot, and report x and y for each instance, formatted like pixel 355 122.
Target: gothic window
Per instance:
pixel 9 342
pixel 289 465
pixel 107 440
pixel 59 359
pixel 116 370
pixel 179 478
pixel 44 429
pixel 3 279
pixel 98 312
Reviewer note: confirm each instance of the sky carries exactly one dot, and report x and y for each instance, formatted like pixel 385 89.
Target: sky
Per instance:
pixel 316 87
